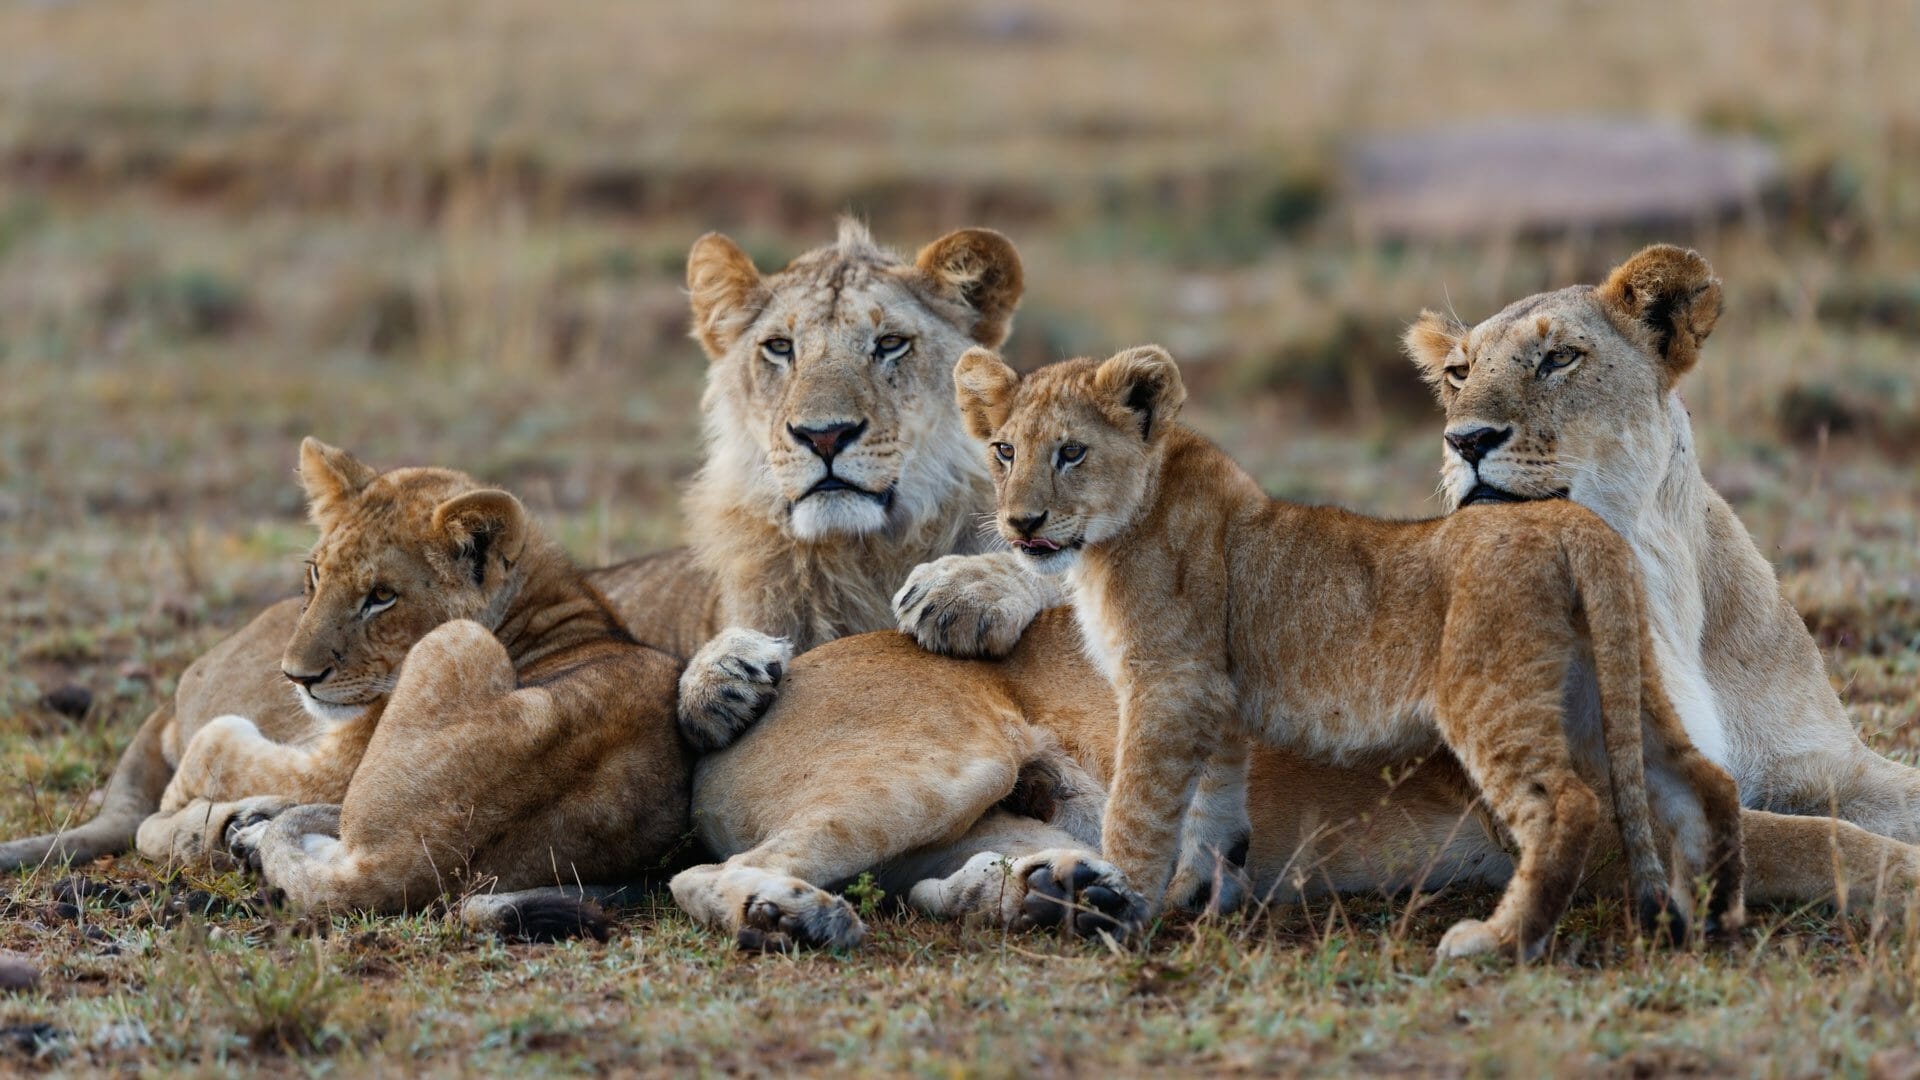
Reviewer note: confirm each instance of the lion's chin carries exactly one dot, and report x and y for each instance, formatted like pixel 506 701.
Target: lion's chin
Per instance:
pixel 839 512
pixel 1483 493
pixel 326 711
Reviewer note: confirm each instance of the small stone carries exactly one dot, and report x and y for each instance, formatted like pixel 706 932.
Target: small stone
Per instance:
pixel 136 672
pixel 17 975
pixel 71 700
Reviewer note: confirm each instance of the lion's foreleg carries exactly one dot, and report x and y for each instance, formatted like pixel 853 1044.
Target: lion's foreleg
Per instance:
pixel 1214 838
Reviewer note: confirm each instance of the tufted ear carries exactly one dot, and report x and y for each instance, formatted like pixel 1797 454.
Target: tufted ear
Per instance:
pixel 725 290
pixel 983 387
pixel 1143 381
pixel 481 524
pixel 980 268
pixel 332 478
pixel 1430 343
pixel 1667 299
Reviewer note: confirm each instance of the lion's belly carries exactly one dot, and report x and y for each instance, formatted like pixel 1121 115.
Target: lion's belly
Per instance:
pixel 1363 722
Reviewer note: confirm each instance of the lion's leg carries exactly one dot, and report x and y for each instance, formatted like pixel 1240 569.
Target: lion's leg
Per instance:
pixel 1018 872
pixel 1876 793
pixel 419 796
pixel 229 759
pixel 195 834
pixel 767 897
pixel 1506 729
pixel 1796 860
pixel 1214 838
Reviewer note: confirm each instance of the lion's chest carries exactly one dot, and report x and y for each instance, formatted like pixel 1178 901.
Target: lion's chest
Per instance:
pixel 1100 631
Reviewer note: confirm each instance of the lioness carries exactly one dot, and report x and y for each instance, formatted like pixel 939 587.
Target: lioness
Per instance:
pixel 1575 394
pixel 497 723
pixel 1221 614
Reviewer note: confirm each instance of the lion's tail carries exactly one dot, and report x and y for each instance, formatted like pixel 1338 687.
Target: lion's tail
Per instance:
pixel 555 913
pixel 1609 587
pixel 133 793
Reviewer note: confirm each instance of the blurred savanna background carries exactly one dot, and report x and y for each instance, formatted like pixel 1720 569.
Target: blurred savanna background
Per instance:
pixel 452 232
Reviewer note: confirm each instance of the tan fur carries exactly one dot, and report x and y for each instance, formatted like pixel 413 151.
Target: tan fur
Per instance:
pixel 1604 425
pixel 850 336
pixel 473 703
pixel 1228 614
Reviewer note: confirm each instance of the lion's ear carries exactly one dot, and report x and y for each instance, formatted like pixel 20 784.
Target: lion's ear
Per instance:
pixel 1666 298
pixel 480 525
pixel 332 478
pixel 1430 343
pixel 726 292
pixel 1145 382
pixel 983 387
pixel 980 268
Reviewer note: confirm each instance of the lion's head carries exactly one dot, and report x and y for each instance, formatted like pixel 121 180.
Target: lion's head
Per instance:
pixel 400 553
pixel 827 405
pixel 1071 446
pixel 1570 393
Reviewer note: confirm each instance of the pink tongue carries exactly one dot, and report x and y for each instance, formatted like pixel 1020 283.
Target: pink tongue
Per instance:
pixel 1042 545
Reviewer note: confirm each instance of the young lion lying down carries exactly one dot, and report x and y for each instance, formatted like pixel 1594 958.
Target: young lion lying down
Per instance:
pixel 453 684
pixel 1221 614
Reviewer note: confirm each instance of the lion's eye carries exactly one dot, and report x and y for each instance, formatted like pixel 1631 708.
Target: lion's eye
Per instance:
pixel 1556 360
pixel 1071 454
pixel 778 350
pixel 891 347
pixel 379 599
pixel 313 577
pixel 1003 451
pixel 1457 376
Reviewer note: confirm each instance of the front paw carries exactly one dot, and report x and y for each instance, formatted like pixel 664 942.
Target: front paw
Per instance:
pixel 1077 892
pixel 248 825
pixel 730 683
pixel 968 605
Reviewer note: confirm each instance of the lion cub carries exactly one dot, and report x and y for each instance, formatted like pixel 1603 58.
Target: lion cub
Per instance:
pixel 1219 613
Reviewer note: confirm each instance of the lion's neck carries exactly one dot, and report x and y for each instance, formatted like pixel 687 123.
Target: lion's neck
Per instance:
pixel 551 609
pixel 1658 500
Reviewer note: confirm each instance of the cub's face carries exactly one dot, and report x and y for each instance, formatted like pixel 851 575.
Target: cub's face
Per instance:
pixel 1569 393
pixel 830 386
pixel 1072 447
pixel 399 554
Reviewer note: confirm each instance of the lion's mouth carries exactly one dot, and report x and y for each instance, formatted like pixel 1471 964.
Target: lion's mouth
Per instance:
pixel 1040 546
pixel 1484 492
pixel 831 483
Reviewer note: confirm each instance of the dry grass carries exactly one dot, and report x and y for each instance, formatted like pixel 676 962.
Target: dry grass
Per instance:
pixel 450 232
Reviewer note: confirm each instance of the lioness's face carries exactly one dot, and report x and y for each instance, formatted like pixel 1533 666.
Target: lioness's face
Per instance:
pixel 1569 393
pixel 838 366
pixel 399 554
pixel 1071 447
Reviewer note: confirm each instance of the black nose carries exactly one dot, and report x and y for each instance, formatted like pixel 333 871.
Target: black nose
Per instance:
pixel 1028 525
pixel 829 440
pixel 1478 443
pixel 308 681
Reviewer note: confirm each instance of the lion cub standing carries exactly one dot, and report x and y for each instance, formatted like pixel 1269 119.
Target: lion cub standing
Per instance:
pixel 1219 612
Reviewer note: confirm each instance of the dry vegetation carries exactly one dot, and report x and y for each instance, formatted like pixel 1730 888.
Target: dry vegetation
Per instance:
pixel 450 232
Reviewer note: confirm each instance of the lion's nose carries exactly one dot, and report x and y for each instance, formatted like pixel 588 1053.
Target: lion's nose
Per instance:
pixel 1028 524
pixel 305 680
pixel 827 440
pixel 1477 443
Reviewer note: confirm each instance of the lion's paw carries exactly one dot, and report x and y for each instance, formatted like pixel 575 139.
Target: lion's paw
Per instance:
pixel 730 683
pixel 1077 892
pixel 1211 882
pixel 788 914
pixel 1469 938
pixel 969 605
pixel 248 825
